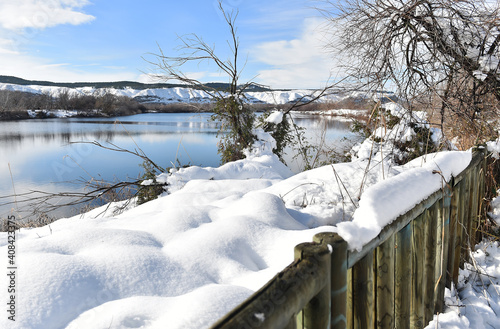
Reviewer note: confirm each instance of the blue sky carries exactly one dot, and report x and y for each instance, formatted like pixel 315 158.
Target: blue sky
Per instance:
pixel 281 41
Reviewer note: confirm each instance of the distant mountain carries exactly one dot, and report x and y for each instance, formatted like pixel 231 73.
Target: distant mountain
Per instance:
pixel 117 84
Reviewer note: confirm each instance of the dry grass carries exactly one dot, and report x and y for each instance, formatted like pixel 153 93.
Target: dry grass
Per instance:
pixel 37 219
pixel 464 132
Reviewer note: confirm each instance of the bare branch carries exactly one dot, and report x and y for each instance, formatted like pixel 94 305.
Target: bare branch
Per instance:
pixel 443 51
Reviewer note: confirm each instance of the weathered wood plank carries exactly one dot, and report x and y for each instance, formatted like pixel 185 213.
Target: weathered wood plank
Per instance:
pixel 417 281
pixel 457 252
pixel 385 284
pixel 482 193
pixel 292 324
pixel 465 198
pixel 364 285
pixel 446 243
pixel 402 300
pixel 475 183
pixel 429 262
pixel 350 313
pixel 442 236
pixel 453 239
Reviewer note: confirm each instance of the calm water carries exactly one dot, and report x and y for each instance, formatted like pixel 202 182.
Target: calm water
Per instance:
pixel 40 155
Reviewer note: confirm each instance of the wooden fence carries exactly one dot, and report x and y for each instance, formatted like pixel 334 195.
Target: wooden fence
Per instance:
pixel 396 281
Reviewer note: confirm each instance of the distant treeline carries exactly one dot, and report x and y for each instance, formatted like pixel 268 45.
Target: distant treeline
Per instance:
pixel 14 105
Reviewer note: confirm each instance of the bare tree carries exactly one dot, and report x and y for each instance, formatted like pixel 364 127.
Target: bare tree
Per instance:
pixel 440 52
pixel 236 117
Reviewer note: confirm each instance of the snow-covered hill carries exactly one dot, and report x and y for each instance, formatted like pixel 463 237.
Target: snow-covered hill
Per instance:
pixel 179 94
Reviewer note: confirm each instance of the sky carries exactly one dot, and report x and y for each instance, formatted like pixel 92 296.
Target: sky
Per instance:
pixel 282 42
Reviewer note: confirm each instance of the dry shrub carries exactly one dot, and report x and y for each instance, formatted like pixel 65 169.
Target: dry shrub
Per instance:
pixel 466 128
pixel 178 107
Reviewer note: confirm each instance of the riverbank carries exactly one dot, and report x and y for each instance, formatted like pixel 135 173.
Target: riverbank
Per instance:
pixel 14 115
pixel 51 114
pixel 88 101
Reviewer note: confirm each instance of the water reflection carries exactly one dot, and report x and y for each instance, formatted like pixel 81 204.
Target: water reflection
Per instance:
pixel 74 129
pixel 42 154
pixel 13 140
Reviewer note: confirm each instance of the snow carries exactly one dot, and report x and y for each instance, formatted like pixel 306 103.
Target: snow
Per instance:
pixel 475 302
pixel 382 203
pixel 343 112
pixel 213 238
pixel 275 117
pixel 56 113
pixel 494 148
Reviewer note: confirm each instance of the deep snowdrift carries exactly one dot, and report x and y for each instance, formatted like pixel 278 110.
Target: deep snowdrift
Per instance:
pixel 187 258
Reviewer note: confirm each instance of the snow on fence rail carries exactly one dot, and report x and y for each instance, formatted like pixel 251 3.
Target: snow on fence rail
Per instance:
pixel 396 281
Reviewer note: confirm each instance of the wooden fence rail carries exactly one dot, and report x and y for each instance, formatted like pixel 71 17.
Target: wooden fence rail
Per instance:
pixel 396 281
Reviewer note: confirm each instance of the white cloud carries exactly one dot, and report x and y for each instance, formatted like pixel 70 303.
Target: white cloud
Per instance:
pixel 20 23
pixel 297 63
pixel 40 14
pixel 7 47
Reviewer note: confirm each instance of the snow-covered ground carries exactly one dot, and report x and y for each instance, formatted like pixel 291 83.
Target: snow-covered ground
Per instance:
pixel 219 234
pixel 178 94
pixel 57 113
pixel 475 302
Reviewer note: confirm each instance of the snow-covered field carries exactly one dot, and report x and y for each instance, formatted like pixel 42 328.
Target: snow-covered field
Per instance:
pixel 219 234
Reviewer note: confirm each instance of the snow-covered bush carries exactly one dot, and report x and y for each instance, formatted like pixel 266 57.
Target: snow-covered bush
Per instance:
pixel 237 121
pixel 396 135
pixel 279 128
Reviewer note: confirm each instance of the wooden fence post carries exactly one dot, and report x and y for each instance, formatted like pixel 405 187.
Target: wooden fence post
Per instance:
pixel 338 314
pixel 316 313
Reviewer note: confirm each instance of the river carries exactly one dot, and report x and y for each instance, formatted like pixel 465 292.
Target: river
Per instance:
pixel 45 155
